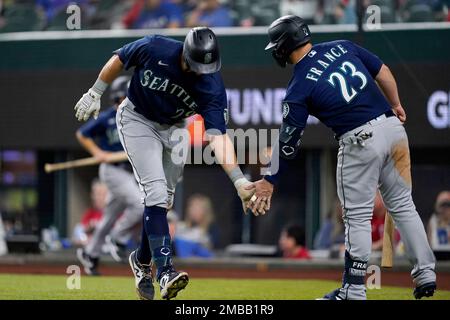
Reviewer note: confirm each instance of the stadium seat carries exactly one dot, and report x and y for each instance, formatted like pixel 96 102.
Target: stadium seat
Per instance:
pixel 264 13
pixel 58 22
pixel 22 17
pixel 106 5
pixel 108 13
pixel 420 13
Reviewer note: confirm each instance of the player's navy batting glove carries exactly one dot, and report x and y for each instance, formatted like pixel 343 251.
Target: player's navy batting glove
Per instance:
pixel 87 105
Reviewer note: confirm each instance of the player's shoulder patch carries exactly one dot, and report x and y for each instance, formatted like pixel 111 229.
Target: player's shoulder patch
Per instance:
pixel 285 109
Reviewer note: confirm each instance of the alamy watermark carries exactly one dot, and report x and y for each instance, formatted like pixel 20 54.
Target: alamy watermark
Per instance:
pixel 373 17
pixel 73 21
pixel 73 281
pixel 253 146
pixel 374 279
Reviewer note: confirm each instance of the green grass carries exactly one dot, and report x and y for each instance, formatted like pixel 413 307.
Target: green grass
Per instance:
pixel 13 286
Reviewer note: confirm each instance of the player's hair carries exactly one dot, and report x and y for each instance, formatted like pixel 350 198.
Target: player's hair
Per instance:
pixel 296 232
pixel 95 181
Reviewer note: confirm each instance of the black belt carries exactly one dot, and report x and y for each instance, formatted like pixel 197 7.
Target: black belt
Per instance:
pixel 388 114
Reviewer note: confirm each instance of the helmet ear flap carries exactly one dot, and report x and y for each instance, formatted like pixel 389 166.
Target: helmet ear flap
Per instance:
pixel 279 59
pixel 279 53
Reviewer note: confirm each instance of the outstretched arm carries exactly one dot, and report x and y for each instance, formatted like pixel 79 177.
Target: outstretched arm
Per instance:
pixel 388 85
pixel 90 102
pixel 111 70
pixel 90 146
pixel 224 153
pixel 291 131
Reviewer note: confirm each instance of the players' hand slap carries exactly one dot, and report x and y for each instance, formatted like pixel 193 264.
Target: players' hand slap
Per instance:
pixel 246 192
pixel 261 200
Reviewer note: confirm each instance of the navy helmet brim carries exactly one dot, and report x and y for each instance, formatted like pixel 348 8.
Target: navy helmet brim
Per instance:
pixel 271 45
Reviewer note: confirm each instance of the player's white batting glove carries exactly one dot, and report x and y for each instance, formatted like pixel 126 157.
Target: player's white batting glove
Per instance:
pixel 241 186
pixel 87 105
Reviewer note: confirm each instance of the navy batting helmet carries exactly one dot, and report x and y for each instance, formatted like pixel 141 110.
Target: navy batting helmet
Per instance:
pixel 119 88
pixel 201 51
pixel 287 34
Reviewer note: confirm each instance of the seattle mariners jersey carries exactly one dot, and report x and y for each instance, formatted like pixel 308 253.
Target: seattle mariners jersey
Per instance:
pixel 162 92
pixel 335 83
pixel 103 131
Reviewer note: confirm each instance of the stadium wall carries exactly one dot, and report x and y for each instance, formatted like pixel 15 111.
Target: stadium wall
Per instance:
pixel 55 68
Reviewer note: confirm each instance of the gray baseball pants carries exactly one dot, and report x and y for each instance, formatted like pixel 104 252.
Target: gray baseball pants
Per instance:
pixel 123 196
pixel 376 155
pixel 156 151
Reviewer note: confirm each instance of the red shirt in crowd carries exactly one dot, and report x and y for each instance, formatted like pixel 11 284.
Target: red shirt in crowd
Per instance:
pixel 91 217
pixel 302 253
pixel 378 229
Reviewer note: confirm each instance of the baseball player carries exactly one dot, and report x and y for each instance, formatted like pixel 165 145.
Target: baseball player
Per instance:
pixel 172 80
pixel 337 82
pixel 100 138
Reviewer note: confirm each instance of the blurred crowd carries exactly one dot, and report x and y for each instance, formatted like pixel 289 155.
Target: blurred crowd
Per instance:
pixel 197 235
pixel 34 15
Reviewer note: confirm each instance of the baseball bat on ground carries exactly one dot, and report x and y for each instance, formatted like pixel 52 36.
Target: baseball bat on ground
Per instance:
pixel 91 161
pixel 387 255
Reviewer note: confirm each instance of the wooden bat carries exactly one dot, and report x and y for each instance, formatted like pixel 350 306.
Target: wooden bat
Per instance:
pixel 91 161
pixel 387 254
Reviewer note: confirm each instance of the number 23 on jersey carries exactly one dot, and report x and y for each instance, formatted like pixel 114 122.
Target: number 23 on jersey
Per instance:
pixel 345 71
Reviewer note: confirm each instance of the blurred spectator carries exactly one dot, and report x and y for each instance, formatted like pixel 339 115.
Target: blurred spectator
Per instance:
pixel 378 216
pixel 422 10
pixel 439 223
pixel 52 7
pixel 34 15
pixel 196 235
pixel 336 12
pixel 153 14
pixel 172 220
pixel 92 216
pixel 261 13
pixel 379 213
pixel 20 15
pixel 108 14
pixel 292 243
pixel 56 15
pixel 377 223
pixel 185 5
pixel 2 13
pixel 331 233
pixel 210 13
pixel 304 8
